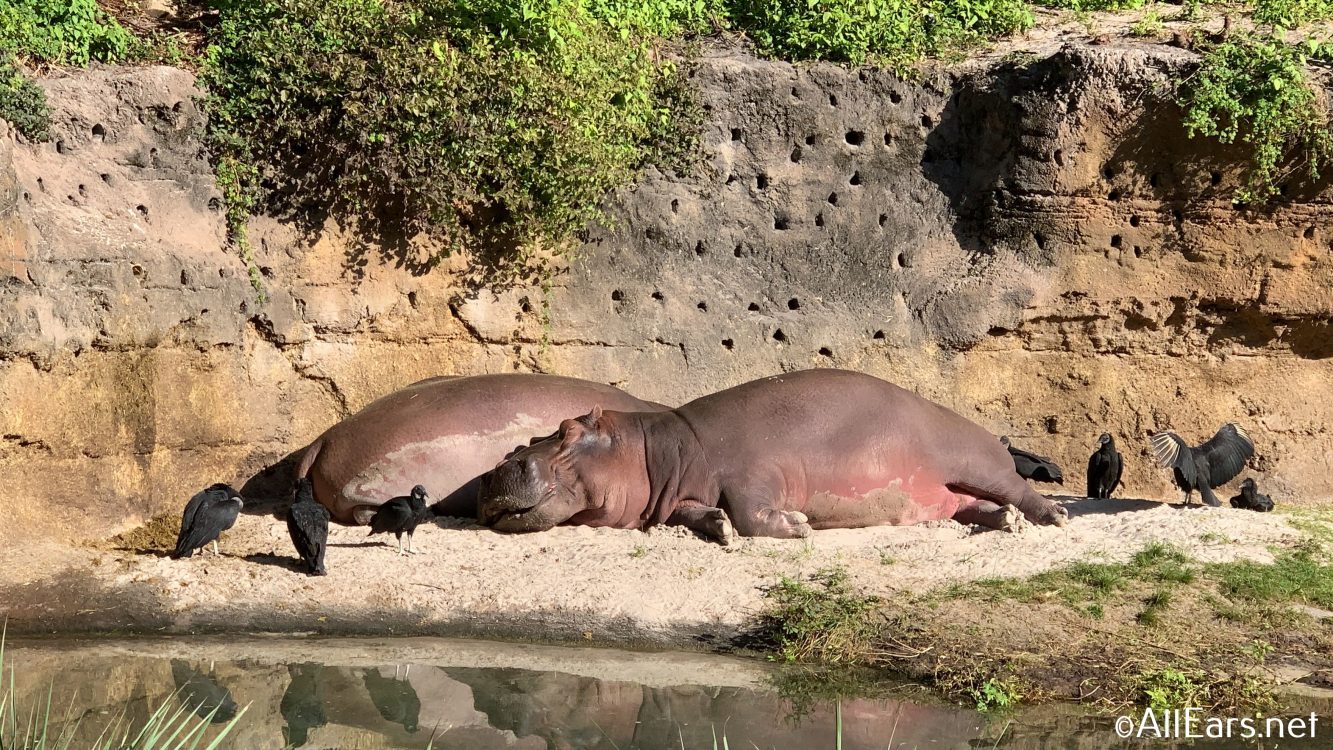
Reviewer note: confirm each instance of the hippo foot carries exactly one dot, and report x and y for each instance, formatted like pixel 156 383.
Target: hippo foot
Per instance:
pixel 362 514
pixel 1058 516
pixel 794 523
pixel 718 526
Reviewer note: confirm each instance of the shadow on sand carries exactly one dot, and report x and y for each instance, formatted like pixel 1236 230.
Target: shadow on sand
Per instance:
pixel 278 561
pixel 1087 506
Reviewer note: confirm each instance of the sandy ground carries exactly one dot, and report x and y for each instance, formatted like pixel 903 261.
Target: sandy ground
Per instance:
pixel 665 587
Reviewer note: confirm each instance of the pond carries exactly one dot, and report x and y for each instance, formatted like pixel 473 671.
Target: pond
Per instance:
pixel 476 695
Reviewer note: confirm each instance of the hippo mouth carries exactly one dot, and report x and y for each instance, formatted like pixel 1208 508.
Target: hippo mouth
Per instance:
pixel 500 507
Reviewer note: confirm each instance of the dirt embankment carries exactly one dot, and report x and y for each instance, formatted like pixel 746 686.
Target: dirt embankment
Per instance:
pixel 1030 239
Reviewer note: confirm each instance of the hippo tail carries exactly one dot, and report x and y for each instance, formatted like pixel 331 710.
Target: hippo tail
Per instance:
pixel 308 460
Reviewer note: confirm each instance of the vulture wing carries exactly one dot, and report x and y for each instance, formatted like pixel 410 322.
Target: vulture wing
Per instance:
pixel 1227 453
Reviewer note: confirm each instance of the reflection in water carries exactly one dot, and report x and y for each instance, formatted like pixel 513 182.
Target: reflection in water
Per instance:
pixel 302 705
pixel 396 700
pixel 202 694
pixel 336 698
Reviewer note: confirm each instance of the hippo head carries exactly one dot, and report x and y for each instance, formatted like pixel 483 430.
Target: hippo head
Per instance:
pixel 589 464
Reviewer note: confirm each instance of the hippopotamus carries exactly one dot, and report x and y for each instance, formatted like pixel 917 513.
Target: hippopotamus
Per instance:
pixel 775 457
pixel 443 433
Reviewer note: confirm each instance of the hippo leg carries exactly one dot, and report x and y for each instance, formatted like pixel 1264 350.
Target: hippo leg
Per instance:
pixel 988 514
pixel 361 514
pixel 755 516
pixel 712 523
pixel 1013 490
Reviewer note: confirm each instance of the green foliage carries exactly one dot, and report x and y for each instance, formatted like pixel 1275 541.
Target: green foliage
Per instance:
pixel 23 103
pixel 995 695
pixel 69 32
pixel 1291 14
pixel 1150 24
pixel 895 31
pixel 824 619
pixel 1253 89
pixel 486 122
pixel 1090 5
pixel 1166 689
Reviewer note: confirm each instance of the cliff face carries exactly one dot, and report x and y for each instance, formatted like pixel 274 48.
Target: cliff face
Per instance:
pixel 1038 246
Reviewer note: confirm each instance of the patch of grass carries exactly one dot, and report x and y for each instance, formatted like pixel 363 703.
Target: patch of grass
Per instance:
pixel 1153 607
pixel 1083 584
pixel 639 551
pixel 1298 575
pixel 823 619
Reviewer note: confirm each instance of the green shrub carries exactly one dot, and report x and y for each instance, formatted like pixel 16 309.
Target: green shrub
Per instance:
pixel 824 619
pixel 481 122
pixel 23 103
pixel 896 31
pixel 1253 88
pixel 1291 14
pixel 1087 5
pixel 69 32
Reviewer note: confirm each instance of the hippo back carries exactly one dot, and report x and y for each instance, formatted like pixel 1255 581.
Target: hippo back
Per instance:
pixel 443 433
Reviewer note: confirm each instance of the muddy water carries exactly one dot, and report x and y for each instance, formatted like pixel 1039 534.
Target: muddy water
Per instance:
pixel 315 693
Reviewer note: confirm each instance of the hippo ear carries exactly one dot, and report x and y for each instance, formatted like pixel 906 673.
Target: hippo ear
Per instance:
pixel 570 431
pixel 591 418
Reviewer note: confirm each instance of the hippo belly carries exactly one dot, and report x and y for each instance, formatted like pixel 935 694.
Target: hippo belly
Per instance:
pixel 443 433
pixel 893 496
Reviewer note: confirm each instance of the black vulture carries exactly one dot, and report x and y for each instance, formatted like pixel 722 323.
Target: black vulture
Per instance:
pixel 1210 465
pixel 1031 466
pixel 308 525
pixel 401 516
pixel 206 516
pixel 202 694
pixel 395 699
pixel 1104 468
pixel 302 706
pixel 1251 499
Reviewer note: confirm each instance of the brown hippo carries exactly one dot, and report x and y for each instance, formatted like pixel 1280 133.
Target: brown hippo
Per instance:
pixel 815 449
pixel 443 433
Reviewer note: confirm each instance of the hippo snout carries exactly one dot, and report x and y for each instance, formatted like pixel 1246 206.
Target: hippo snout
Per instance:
pixel 512 487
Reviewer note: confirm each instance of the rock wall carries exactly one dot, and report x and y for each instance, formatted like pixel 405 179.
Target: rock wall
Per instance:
pixel 1037 245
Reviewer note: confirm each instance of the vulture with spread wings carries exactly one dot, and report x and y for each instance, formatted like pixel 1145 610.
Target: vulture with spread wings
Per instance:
pixel 1210 465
